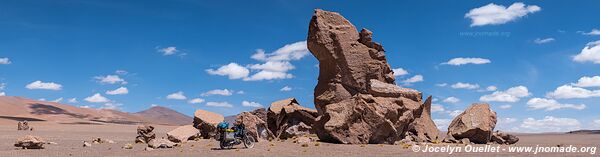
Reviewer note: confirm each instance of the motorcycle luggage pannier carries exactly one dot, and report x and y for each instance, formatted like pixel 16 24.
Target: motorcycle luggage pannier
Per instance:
pixel 229 136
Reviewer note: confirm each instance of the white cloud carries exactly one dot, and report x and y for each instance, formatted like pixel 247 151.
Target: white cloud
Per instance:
pixel 491 88
pixel 110 79
pixel 588 82
pixel 196 101
pixel 590 53
pixel 493 14
pixel 276 66
pixel 4 61
pixel 232 70
pixel 219 104
pixel 463 61
pixel 593 32
pixel 414 79
pixel 2 94
pixel 506 120
pixel 543 41
pixel 437 108
pixel 111 106
pixel 168 50
pixel 505 106
pixel 251 104
pixel 551 104
pixel 399 72
pixel 455 113
pixel 550 124
pixel 57 100
pixel 44 85
pixel 268 75
pixel 177 96
pixel 121 72
pixel 441 84
pixel 442 124
pixel 452 100
pixel 118 91
pixel 286 89
pixel 85 106
pixel 73 100
pixel 2 86
pixel 461 85
pixel 223 92
pixel 294 51
pixel 569 92
pixel 511 95
pixel 96 98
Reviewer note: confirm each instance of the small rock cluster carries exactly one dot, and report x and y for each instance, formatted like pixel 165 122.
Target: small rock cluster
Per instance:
pixel 145 133
pixel 24 125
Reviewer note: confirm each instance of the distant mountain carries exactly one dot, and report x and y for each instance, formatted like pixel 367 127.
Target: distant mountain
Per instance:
pixel 163 115
pixel 19 108
pixel 584 132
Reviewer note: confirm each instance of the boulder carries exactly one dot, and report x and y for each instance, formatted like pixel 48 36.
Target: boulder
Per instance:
pixel 261 113
pixel 255 126
pixel 127 146
pixel 161 143
pixel 24 125
pixel 288 113
pixel 504 138
pixel 183 134
pixel 298 130
pixel 86 144
pixel 206 122
pixel 356 96
pixel 145 133
pixel 476 123
pixel 423 128
pixel 30 142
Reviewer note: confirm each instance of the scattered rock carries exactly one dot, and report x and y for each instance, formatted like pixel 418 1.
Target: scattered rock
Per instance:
pixel 207 122
pixel 423 128
pixel 127 146
pixel 183 133
pixel 476 123
pixel 24 125
pixel 30 142
pixel 504 138
pixel 304 140
pixel 255 126
pixel 145 133
pixel 161 143
pixel 86 144
pixel 288 113
pixel 148 149
pixel 110 141
pixel 465 141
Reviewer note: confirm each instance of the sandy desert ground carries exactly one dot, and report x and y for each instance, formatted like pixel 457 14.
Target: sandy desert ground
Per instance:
pixel 69 139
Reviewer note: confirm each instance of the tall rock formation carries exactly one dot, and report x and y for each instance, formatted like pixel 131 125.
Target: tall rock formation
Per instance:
pixel 356 96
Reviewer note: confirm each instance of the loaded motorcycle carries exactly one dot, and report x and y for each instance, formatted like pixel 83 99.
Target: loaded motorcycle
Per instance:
pixel 229 137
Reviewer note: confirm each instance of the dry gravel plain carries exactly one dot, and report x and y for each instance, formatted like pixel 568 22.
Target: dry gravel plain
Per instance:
pixel 69 139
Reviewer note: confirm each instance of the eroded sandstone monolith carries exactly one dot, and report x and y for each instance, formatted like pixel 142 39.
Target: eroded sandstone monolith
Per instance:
pixel 288 113
pixel 476 123
pixel 356 96
pixel 206 122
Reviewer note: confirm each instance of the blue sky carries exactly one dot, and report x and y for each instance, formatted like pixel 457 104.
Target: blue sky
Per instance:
pixel 541 56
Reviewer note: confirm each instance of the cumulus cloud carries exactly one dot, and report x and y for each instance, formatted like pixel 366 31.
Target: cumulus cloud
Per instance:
pixel 268 75
pixel 251 104
pixel 543 41
pixel 110 79
pixel 294 51
pixel 73 100
pixel 506 120
pixel 121 72
pixel 111 106
pixel 232 70
pixel 588 82
pixel 441 84
pixel 569 92
pixel 513 94
pixel 57 100
pixel 4 61
pixel 273 66
pixel 493 14
pixel 219 104
pixel 491 88
pixel 437 108
pixel 452 100
pixel 2 86
pixel 168 50
pixel 286 89
pixel 223 92
pixel 550 124
pixel 463 61
pixel 177 96
pixel 97 98
pixel 118 91
pixel 590 53
pixel 399 72
pixel 592 32
pixel 44 85
pixel 2 94
pixel 414 79
pixel 551 104
pixel 460 85
pixel 196 101
pixel 505 106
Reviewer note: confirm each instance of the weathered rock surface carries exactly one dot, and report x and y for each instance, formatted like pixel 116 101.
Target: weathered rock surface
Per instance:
pixel 206 122
pixel 476 123
pixel 423 129
pixel 145 133
pixel 183 134
pixel 30 142
pixel 504 138
pixel 24 125
pixel 288 113
pixel 161 143
pixel 356 96
pixel 255 126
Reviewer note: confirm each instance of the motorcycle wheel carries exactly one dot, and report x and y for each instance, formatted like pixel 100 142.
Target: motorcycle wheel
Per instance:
pixel 249 141
pixel 222 144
